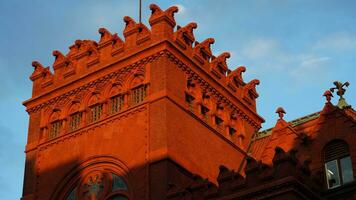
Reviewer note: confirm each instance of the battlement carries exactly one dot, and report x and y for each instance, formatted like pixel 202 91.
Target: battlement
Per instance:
pixel 287 173
pixel 87 56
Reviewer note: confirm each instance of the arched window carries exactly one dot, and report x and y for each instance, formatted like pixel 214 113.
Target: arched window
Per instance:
pixel 100 185
pixel 338 165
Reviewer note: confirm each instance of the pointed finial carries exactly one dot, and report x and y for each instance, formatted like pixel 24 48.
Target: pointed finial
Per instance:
pixel 280 112
pixel 327 94
pixel 339 86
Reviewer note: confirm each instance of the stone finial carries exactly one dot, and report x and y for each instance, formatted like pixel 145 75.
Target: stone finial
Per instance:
pixel 157 14
pixel 130 26
pixel 339 86
pixel 37 65
pixel 105 35
pixel 185 35
pixel 280 112
pixel 204 47
pixel 235 76
pixel 328 95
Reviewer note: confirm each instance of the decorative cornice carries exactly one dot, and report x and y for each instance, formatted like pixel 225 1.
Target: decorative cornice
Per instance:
pixel 94 84
pixel 207 87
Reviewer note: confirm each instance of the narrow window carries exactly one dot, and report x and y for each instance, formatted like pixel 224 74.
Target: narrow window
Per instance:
pixel 75 121
pixel 204 110
pixel 95 112
pixel 117 103
pixel 338 165
pixel 55 129
pixel 138 94
pixel 218 121
pixel 232 131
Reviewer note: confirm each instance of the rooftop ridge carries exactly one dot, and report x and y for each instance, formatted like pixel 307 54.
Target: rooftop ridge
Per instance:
pixel 293 123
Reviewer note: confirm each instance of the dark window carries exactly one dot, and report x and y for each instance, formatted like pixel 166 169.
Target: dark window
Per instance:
pixel 189 98
pixel 232 131
pixel 218 121
pixel 95 112
pixel 75 120
pixel 55 129
pixel 338 165
pixel 138 94
pixel 117 103
pixel 204 110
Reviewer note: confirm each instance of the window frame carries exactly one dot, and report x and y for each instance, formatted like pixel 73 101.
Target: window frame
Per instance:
pixel 79 124
pixel 91 111
pixel 133 97
pixel 332 146
pixel 120 106
pixel 58 129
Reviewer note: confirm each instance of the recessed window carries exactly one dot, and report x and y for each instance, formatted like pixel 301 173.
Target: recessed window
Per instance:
pixel 55 129
pixel 232 131
pixel 204 110
pixel 189 98
pixel 218 121
pixel 95 112
pixel 138 94
pixel 75 121
pixel 117 103
pixel 338 165
pixel 94 188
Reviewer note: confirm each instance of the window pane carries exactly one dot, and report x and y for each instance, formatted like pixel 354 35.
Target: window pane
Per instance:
pixel 118 183
pixel 55 129
pixel 72 195
pixel 138 94
pixel 346 169
pixel 75 120
pixel 118 197
pixel 332 174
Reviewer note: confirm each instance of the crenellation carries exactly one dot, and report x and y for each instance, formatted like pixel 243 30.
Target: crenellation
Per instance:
pixel 162 22
pixel 184 36
pixel 86 56
pixel 202 51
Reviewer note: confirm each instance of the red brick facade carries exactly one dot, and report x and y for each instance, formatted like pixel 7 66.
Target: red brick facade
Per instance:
pixel 146 116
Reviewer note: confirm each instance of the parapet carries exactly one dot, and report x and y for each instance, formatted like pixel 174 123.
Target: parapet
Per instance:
pixel 87 56
pixel 287 173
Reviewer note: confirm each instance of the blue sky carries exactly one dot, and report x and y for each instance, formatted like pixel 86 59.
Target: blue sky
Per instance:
pixel 297 48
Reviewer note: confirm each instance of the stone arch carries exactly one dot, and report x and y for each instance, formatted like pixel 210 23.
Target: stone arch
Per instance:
pixel 135 81
pixel 104 164
pixel 114 89
pixel 54 116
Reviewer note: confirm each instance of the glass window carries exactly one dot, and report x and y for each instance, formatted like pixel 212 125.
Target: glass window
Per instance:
pixel 338 165
pixel 55 129
pixel 118 183
pixel 72 195
pixel 332 174
pixel 218 121
pixel 118 197
pixel 346 170
pixel 138 94
pixel 75 120
pixel 117 103
pixel 232 131
pixel 204 110
pixel 95 112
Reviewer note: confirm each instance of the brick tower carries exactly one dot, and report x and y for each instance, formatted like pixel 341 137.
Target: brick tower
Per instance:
pixel 127 118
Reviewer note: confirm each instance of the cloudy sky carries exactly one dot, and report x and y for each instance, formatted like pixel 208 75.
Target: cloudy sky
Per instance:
pixel 297 48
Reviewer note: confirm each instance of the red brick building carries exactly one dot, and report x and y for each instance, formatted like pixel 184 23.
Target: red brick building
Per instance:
pixel 155 115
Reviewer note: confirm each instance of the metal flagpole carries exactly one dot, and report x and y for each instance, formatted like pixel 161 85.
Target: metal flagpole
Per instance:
pixel 140 2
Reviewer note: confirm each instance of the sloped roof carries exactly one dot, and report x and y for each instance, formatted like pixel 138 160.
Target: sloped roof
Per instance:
pixel 293 123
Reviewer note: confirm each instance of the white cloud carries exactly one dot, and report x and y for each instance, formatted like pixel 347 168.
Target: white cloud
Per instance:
pixel 311 67
pixel 266 55
pixel 340 41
